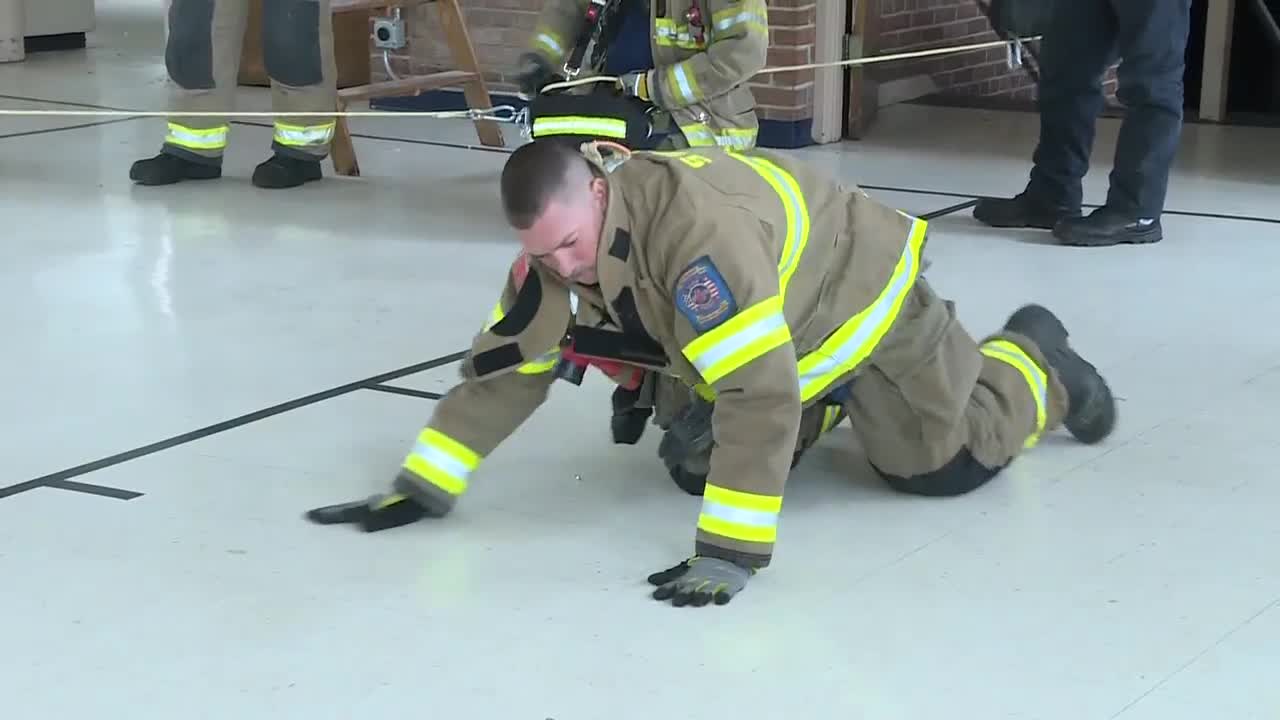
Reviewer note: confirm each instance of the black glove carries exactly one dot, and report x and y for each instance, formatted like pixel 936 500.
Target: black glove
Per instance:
pixel 686 446
pixel 534 72
pixel 628 421
pixel 700 580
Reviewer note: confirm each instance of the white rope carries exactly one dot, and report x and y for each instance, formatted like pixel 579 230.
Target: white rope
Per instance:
pixel 498 113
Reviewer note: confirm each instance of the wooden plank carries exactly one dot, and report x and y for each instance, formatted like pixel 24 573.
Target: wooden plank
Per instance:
pixel 342 150
pixel 413 85
pixel 464 56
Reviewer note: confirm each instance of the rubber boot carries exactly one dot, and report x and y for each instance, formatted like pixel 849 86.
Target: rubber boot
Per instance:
pixel 167 169
pixel 1091 408
pixel 1022 211
pixel 281 171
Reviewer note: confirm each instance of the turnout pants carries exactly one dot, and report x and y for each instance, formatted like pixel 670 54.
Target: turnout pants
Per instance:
pixel 1084 39
pixel 203 58
pixel 941 414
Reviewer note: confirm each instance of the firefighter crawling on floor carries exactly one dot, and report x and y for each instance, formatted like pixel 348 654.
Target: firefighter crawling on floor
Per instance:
pixel 775 292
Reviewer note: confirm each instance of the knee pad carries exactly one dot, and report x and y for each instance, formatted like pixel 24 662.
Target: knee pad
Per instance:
pixel 188 56
pixel 291 42
pixel 962 474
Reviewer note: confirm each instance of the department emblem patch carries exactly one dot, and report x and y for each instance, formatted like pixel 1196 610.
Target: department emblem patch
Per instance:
pixel 703 296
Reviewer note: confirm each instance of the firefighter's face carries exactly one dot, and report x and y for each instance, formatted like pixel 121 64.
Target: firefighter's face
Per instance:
pixel 567 234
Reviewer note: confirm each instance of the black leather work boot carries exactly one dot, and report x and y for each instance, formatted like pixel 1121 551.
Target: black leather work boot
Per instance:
pixel 1107 226
pixel 167 169
pixel 1091 408
pixel 1023 210
pixel 281 171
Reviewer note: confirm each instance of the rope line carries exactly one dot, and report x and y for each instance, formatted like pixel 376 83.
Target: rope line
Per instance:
pixel 506 113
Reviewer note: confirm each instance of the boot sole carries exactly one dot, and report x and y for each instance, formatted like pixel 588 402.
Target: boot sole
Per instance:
pixel 1145 237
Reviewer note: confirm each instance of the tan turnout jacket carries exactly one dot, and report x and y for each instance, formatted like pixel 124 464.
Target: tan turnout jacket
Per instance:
pixel 745 273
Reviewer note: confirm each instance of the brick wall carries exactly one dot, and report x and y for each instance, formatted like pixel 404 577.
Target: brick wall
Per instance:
pixel 906 25
pixel 500 30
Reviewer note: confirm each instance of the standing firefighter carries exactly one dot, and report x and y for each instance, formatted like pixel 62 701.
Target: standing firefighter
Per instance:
pixel 775 290
pixel 203 59
pixel 683 67
pixel 686 61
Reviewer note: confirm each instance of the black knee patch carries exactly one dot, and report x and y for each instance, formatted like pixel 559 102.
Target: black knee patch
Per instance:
pixel 291 42
pixel 960 475
pixel 188 56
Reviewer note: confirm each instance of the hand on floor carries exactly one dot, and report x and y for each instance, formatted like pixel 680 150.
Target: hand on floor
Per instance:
pixel 700 580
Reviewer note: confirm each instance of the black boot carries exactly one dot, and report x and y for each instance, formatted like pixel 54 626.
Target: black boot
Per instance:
pixel 1022 210
pixel 1091 408
pixel 167 169
pixel 1108 226
pixel 282 171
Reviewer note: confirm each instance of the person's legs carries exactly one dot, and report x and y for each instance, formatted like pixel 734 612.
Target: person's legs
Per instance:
pixel 1153 41
pixel 202 55
pixel 941 414
pixel 1075 54
pixel 297 37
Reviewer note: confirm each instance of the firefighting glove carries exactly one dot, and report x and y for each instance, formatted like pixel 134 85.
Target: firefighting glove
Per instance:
pixel 636 84
pixel 404 505
pixel 534 72
pixel 700 580
pixel 628 421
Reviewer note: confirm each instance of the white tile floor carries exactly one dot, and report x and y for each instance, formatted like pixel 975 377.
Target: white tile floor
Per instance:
pixel 1135 580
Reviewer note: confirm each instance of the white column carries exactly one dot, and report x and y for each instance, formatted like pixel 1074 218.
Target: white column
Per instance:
pixel 12 22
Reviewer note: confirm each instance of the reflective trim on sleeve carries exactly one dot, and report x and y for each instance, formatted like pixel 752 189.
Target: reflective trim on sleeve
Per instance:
pixel 739 515
pixel 741 339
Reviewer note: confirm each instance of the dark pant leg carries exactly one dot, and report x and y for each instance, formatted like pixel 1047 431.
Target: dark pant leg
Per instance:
pixel 1078 47
pixel 1153 45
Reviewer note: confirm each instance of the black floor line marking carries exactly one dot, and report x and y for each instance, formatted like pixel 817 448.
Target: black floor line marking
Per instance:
pixel 81 126
pixel 397 390
pixel 43 101
pixel 949 209
pixel 63 475
pixel 91 489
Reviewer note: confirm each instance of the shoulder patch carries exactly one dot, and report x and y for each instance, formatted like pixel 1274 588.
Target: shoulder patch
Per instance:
pixel 703 296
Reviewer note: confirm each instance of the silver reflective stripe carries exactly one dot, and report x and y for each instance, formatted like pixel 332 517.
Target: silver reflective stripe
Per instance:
pixel 718 352
pixel 753 518
pixel 682 80
pixel 441 459
pixel 742 17
pixel 209 140
pixel 734 141
pixel 550 43
pixel 304 136
pixel 878 313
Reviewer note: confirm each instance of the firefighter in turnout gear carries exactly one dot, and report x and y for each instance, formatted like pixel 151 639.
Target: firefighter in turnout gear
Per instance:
pixel 688 62
pixel 203 58
pixel 689 59
pixel 770 288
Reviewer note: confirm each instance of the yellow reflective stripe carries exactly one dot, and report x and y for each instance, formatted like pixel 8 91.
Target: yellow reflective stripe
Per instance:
pixel 740 515
pixel 853 342
pixel 214 138
pixel 701 135
pixel 680 78
pixel 545 362
pixel 442 461
pixel 756 19
pixel 302 135
pixel 580 125
pixel 743 338
pixel 548 41
pixel 1036 378
pixel 831 418
pixel 797 213
pixel 705 391
pixel 668 34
